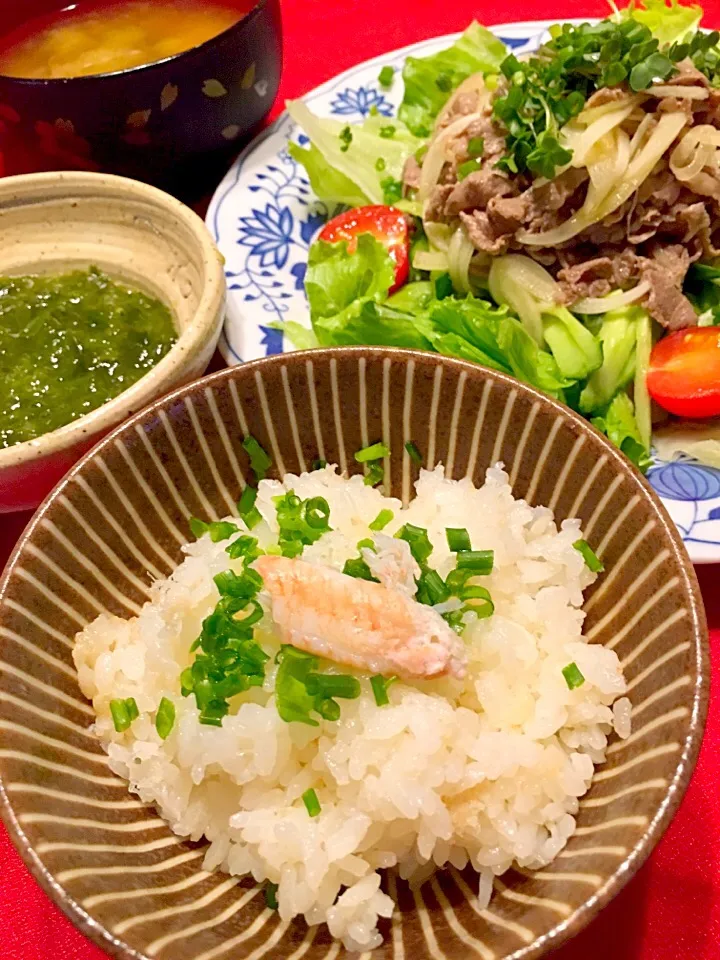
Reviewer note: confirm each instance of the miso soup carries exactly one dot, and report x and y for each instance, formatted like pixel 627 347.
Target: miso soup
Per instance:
pixel 104 36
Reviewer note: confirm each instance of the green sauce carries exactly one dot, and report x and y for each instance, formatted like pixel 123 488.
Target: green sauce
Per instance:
pixel 68 344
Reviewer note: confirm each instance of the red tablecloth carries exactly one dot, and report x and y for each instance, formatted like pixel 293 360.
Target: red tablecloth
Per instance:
pixel 671 910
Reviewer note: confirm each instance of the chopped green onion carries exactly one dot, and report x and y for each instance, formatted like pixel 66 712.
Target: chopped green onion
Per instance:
pixel 479 561
pixel 259 460
pixel 381 520
pixel 317 513
pixel 375 475
pixel 385 78
pixel 388 132
pixel 244 546
pixel 247 509
pixel 333 685
pixel 319 464
pixel 431 588
pixel 327 708
pixel 312 804
pixel 592 561
pixel 417 537
pixel 187 682
pixel 271 890
pixel 198 527
pixel 301 522
pixel 367 543
pixel 456 579
pixel 484 609
pixel 465 169
pixel 213 712
pixel 443 286
pixel 380 164
pixel 293 702
pixel 392 190
pixel 573 676
pixel 123 713
pixel 222 530
pixel 454 619
pixel 345 137
pixel 242 586
pixel 376 451
pixel 356 567
pixel 165 718
pixel 413 452
pixel 476 146
pixel 380 686
pixel 458 539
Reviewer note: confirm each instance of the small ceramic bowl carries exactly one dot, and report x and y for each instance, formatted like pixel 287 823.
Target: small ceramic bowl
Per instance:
pixel 55 222
pixel 122 514
pixel 148 122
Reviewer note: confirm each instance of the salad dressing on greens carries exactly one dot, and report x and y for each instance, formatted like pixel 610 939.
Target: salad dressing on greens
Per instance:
pixel 68 344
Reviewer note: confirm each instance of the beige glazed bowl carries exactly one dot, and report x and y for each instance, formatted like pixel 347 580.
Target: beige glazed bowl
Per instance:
pixel 120 519
pixel 55 222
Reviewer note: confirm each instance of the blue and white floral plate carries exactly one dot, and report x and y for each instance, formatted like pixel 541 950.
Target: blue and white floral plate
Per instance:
pixel 264 218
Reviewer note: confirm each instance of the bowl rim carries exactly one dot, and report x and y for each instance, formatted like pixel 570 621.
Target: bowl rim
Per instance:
pixel 687 757
pixel 208 314
pixel 140 67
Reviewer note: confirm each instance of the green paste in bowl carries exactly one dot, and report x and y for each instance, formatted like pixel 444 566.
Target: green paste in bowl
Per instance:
pixel 68 344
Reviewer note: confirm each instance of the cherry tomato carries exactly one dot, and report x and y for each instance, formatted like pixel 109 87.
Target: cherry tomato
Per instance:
pixel 386 224
pixel 684 373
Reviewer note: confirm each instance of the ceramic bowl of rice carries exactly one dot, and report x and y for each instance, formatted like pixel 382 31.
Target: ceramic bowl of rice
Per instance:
pixel 342 652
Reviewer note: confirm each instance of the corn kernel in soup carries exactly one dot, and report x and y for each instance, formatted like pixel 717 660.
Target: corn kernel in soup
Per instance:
pixel 97 36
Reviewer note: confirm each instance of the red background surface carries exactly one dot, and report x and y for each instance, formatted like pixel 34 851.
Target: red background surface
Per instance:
pixel 671 909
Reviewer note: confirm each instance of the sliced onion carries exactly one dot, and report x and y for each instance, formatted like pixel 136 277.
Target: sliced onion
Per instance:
pixel 637 138
pixel 459 255
pixel 475 83
pixel 697 149
pixel 703 156
pixel 613 301
pixel 436 157
pixel 591 114
pixel 430 260
pixel 609 167
pixel 639 169
pixel 581 142
pixel 526 286
pixel 438 234
pixel 682 93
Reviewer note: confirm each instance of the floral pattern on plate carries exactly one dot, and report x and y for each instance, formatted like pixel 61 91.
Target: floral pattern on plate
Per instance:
pixel 264 218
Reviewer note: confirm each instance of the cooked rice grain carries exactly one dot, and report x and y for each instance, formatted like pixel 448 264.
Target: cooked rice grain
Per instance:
pixel 488 770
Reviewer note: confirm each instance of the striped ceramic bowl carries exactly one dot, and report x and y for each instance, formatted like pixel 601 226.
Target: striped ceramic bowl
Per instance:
pixel 119 520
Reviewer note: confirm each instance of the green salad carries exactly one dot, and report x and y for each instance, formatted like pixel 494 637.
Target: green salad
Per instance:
pixel 554 217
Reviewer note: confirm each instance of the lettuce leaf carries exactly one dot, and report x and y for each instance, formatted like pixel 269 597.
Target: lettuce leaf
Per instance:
pixel 374 324
pixel 349 305
pixel 620 427
pixel 429 81
pixel 702 288
pixel 336 279
pixel 500 339
pixel 327 183
pixel 618 338
pixel 668 20
pixel 351 175
pixel 576 351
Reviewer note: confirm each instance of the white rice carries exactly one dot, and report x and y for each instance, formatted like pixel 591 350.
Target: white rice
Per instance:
pixel 488 770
